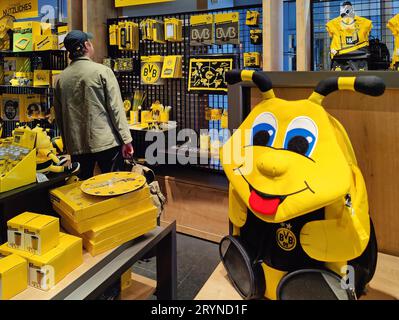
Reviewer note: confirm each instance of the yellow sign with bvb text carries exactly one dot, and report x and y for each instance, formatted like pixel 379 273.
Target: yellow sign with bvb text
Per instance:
pixel 20 9
pixel 126 3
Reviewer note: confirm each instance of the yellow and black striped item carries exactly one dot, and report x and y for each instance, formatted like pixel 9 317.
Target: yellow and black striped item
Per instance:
pixel 369 85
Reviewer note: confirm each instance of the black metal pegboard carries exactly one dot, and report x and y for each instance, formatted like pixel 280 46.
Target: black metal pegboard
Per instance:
pixel 188 108
pixel 378 11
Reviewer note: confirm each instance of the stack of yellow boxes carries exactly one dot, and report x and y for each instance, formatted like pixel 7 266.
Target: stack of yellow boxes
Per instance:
pixel 104 223
pixel 50 254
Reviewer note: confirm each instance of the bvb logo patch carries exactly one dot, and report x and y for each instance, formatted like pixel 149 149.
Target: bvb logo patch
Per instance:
pixel 150 73
pixel 286 239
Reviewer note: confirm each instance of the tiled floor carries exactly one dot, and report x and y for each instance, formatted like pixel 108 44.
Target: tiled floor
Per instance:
pixel 196 260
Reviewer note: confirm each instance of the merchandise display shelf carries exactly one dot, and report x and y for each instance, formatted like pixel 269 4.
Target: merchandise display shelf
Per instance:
pixel 25 90
pixel 96 274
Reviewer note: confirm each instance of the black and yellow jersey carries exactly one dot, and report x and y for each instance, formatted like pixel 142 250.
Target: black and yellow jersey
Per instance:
pixel 393 25
pixel 348 34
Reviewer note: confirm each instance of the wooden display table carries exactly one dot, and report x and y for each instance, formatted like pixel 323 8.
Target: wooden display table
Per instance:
pixel 96 274
pixel 384 286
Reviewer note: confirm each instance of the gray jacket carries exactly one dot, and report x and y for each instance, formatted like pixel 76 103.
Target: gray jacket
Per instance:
pixel 89 108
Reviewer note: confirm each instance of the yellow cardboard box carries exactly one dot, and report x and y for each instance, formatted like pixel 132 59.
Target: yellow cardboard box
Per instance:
pixel 13 276
pixel 78 206
pixel 107 231
pixel 6 250
pixel 47 270
pixel 24 35
pixel 96 248
pixel 16 232
pixel 41 78
pixel 111 219
pixel 41 234
pixel 46 42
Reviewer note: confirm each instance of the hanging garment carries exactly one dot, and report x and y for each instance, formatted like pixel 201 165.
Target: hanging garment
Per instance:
pixel 393 25
pixel 348 34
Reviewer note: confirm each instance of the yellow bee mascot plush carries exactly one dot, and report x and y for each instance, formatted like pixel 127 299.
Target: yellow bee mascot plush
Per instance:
pixel 298 202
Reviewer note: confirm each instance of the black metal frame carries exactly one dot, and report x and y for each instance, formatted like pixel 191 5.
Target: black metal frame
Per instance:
pixel 188 107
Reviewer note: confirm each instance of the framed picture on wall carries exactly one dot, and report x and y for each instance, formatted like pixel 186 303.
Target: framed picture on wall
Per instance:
pixel 207 73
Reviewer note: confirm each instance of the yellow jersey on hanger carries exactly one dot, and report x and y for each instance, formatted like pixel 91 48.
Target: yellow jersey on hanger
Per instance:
pixel 393 25
pixel 347 35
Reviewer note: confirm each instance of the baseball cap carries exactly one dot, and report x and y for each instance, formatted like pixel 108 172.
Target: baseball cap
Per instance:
pixel 75 39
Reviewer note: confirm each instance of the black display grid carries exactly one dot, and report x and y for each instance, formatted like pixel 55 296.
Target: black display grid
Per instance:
pixel 188 108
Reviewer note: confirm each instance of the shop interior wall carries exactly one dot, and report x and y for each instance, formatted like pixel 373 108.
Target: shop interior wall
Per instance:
pixel 373 127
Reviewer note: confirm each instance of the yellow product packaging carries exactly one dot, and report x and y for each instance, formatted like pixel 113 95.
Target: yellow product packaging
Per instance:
pixel 172 67
pixel 47 270
pixel 42 78
pixel 16 232
pixel 151 70
pixel 225 120
pixel 6 250
pixel 227 28
pixel 13 276
pixel 78 206
pixel 252 59
pixel 73 250
pixel 21 168
pixel 62 31
pixel 252 18
pixel 128 36
pixel 45 29
pixel 116 218
pixel 173 30
pixel 17 64
pixel 216 114
pixel 113 35
pixel 202 31
pixel 46 42
pixel 41 234
pixel 24 35
pixel 96 248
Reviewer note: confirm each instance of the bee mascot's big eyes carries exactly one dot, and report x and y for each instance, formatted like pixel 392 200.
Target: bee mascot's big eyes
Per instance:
pixel 298 201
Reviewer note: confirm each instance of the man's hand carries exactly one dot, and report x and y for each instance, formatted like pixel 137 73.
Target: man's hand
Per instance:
pixel 127 151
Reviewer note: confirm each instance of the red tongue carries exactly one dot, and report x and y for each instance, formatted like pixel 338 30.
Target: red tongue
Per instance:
pixel 268 207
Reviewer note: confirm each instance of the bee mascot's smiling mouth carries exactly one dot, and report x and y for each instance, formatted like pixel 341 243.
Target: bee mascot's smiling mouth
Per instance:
pixel 267 206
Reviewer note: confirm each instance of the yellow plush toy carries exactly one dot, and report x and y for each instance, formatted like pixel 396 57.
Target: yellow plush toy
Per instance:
pixel 298 200
pixel 47 159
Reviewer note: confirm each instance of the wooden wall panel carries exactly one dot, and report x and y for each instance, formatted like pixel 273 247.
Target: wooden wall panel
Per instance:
pixel 373 127
pixel 273 35
pixel 303 39
pixel 95 15
pixel 199 210
pixel 75 21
